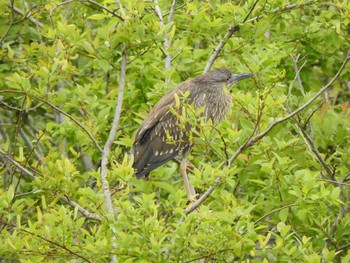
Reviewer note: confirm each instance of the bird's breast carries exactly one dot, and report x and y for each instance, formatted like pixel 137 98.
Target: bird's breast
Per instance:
pixel 216 105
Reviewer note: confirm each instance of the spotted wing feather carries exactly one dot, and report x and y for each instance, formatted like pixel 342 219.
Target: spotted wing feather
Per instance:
pixel 159 138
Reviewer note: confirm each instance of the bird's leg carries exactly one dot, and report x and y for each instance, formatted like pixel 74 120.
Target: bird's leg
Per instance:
pixel 189 188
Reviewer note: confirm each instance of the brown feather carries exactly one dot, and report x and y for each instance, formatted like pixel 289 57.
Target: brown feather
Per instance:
pixel 161 136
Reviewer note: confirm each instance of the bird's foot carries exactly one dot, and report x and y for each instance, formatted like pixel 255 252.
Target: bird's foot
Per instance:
pixel 193 198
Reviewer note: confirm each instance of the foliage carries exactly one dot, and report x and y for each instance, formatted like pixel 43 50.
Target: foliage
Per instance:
pixel 283 199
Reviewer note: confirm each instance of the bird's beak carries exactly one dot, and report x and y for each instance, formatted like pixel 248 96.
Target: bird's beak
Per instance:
pixel 237 77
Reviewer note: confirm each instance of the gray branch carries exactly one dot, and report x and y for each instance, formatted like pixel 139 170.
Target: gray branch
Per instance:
pixel 166 41
pixel 31 19
pixel 107 147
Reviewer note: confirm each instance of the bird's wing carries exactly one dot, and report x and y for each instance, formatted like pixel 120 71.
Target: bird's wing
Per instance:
pixel 159 138
pixel 158 112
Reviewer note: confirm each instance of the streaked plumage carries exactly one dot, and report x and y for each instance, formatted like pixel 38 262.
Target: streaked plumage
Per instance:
pixel 161 136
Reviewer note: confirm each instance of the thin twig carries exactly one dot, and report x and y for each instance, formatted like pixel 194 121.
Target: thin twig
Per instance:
pixel 343 248
pixel 233 29
pixel 11 6
pixel 20 167
pixel 59 110
pixel 278 9
pixel 90 2
pixel 250 11
pixel 55 244
pixel 297 71
pixel 274 211
pixel 5 136
pixel 82 210
pixel 258 137
pixel 308 138
pixel 178 7
pixel 31 19
pixel 30 145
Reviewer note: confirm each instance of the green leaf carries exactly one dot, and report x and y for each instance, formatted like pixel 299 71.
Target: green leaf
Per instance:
pixel 335 193
pixel 165 186
pixel 10 193
pixel 97 16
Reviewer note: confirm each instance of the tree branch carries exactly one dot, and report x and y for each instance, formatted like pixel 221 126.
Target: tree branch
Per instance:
pixel 31 19
pixel 166 41
pixel 82 210
pixel 110 140
pixel 56 244
pixel 113 13
pixel 258 137
pixel 233 29
pixel 20 167
pixel 59 110
pixel 307 137
pixel 11 22
pixel 107 147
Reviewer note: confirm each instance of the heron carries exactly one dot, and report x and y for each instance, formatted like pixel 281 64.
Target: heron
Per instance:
pixel 162 136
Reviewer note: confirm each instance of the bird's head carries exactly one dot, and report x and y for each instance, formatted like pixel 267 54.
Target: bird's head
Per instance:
pixel 225 77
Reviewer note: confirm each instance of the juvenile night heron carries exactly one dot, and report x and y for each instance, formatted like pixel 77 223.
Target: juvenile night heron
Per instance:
pixel 161 137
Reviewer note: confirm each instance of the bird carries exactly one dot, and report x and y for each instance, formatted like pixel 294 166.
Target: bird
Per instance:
pixel 162 135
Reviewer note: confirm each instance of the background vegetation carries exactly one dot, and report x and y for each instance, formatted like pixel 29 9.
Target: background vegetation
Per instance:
pixel 78 77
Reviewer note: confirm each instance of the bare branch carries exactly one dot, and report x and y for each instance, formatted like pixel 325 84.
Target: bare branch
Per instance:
pixel 107 147
pixel 110 140
pixel 230 32
pixel 297 74
pixel 258 137
pixel 202 198
pixel 83 211
pixel 171 12
pixel 31 19
pixel 166 41
pixel 20 167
